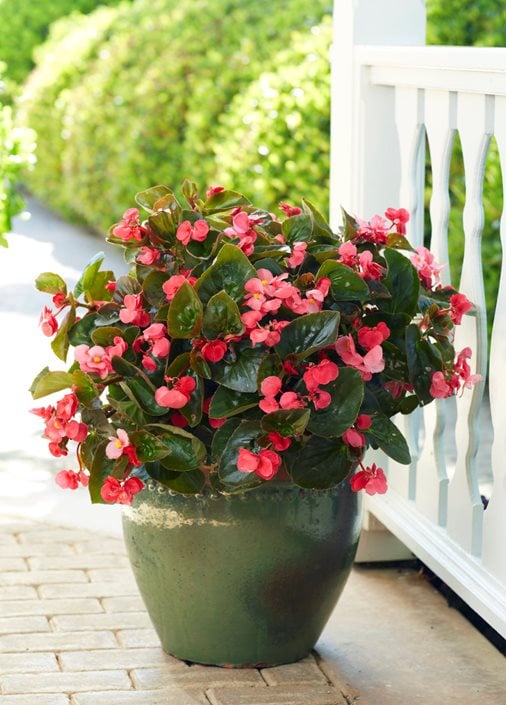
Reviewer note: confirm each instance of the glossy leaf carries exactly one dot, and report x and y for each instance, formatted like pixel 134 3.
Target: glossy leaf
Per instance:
pixel 152 288
pixel 423 360
pixel 321 463
pixel 184 450
pixel 389 438
pixel 125 285
pixel 224 200
pixel 85 388
pixel 61 343
pixel 185 313
pixel 51 283
pixel 243 437
pixel 402 282
pixel 241 373
pixel 347 393
pixel 138 387
pixel 350 225
pixel 105 335
pixel 307 334
pixel 320 228
pixel 151 196
pixel 287 422
pixel 191 482
pixel 148 447
pixel 222 317
pixel 222 436
pixel 297 228
pixel 346 285
pixel 193 409
pixel 229 272
pixel 227 402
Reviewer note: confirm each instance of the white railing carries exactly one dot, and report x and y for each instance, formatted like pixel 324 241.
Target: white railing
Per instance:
pixel 386 101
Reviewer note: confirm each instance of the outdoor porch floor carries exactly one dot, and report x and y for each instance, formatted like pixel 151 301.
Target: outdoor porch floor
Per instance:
pixel 73 631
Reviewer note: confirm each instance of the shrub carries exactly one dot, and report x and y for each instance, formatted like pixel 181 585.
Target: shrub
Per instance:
pixel 26 25
pixel 274 139
pixel 151 98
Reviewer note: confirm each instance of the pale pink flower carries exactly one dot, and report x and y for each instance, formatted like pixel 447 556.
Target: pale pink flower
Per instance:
pixel 129 227
pixel 94 359
pixel 117 444
pixel 148 255
pixel 298 253
pixel 47 322
pixel 427 267
pixel 368 364
pixel 398 217
pixel 439 389
pixel 348 254
pixel 119 348
pixel 376 230
pixel 67 479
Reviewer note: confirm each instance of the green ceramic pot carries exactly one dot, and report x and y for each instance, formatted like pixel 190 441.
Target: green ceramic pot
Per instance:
pixel 243 580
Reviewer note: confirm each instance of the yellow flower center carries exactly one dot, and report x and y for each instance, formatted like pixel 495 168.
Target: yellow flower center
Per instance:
pixel 97 358
pixel 118 444
pixel 256 296
pixel 264 282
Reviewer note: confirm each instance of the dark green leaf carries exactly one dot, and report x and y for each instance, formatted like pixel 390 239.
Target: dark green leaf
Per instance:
pixel 350 225
pixel 307 334
pixel 347 393
pixel 224 200
pixel 321 231
pixel 51 283
pixel 402 282
pixel 299 228
pixel 138 387
pixel 222 437
pixel 229 272
pixel 148 447
pixel 184 450
pixel 287 422
pixel 84 387
pixel 241 371
pixel 80 333
pixel 185 313
pixel 389 438
pixel 105 335
pixel 271 366
pixel 226 402
pixel 346 285
pixel 191 482
pixel 124 285
pixel 193 409
pixel 321 463
pixel 222 317
pixel 423 360
pixel 152 288
pixel 244 436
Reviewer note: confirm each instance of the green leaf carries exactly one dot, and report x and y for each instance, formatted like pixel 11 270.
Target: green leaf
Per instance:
pixel 190 191
pixel 184 450
pixel 80 332
pixel 60 343
pixel 193 409
pixel 149 198
pixel 388 437
pixel 138 387
pixel 222 317
pixel 147 446
pixel 85 388
pixel 287 422
pixel 299 228
pixel 191 482
pixel 350 225
pixel 402 282
pixel 100 467
pixel 423 360
pixel 347 393
pixel 124 285
pixel 240 372
pixel 221 438
pixel 321 231
pixel 307 334
pixel 152 288
pixel 271 366
pixel 346 285
pixel 51 283
pixel 229 272
pixel 105 335
pixel 48 382
pixel 92 282
pixel 185 313
pixel 320 464
pixel 244 435
pixel 224 200
pixel 226 402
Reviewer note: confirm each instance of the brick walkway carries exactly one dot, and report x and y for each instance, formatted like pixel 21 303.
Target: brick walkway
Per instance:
pixel 73 631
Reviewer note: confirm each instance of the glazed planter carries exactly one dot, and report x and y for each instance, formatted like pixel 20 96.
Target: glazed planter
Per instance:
pixel 243 580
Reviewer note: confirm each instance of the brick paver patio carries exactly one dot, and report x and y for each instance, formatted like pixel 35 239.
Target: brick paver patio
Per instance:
pixel 73 631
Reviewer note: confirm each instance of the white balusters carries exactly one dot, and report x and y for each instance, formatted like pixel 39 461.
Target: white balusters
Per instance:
pixel 494 520
pixel 465 510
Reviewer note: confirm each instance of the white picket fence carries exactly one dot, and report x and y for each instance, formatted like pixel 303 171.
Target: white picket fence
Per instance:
pixel 389 93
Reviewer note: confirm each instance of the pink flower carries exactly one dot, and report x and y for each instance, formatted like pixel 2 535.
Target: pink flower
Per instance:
pixel 212 190
pixel 439 389
pixel 67 479
pixel 114 491
pixel 214 350
pixel 269 334
pixel 251 318
pixel 265 464
pixel 368 268
pixel 348 254
pixel 353 438
pixel 291 400
pixel 278 441
pixel 371 479
pixel 155 335
pixel 463 370
pixel 268 405
pixel 289 210
pixel 363 422
pixel 172 285
pixel 376 230
pixel 398 217
pixel 57 449
pixel 148 255
pixel 459 305
pixel 47 322
pixel 94 359
pixel 177 396
pixel 76 431
pixel 243 228
pixel 133 312
pixel 117 444
pixel 428 269
pixel 320 398
pixel 177 419
pixel 67 406
pixel 298 254
pixel 368 338
pixel 368 364
pixel 129 227
pixel 198 231
pixel 324 372
pixel 119 348
pixel 270 386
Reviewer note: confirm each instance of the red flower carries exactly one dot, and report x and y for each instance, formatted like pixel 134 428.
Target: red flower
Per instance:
pixel 289 210
pixel 177 396
pixel 371 479
pixel 114 491
pixel 265 464
pixel 214 350
pixel 278 441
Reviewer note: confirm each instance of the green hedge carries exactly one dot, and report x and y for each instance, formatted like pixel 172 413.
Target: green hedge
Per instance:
pixel 273 141
pixel 147 107
pixel 25 25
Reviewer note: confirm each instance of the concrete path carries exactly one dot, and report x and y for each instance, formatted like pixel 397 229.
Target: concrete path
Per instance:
pixel 72 628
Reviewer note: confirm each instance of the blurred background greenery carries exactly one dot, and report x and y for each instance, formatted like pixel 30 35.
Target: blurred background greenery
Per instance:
pixel 124 95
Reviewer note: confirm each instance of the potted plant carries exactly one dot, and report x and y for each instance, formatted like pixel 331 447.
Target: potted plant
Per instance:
pixel 225 391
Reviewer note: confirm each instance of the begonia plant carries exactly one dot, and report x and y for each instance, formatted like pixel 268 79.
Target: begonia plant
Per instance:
pixel 243 347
